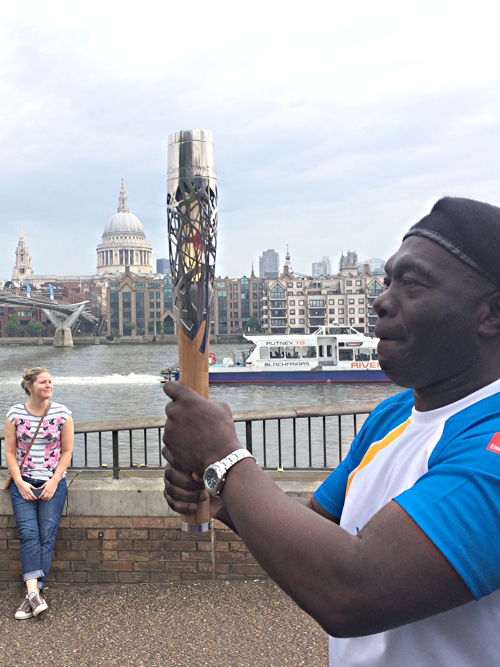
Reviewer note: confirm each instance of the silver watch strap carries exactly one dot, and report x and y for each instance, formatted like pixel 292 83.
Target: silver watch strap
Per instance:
pixel 234 457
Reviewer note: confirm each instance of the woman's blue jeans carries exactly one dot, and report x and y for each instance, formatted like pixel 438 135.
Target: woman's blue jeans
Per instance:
pixel 37 524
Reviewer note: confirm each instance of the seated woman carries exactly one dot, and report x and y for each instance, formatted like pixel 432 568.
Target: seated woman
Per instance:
pixel 38 489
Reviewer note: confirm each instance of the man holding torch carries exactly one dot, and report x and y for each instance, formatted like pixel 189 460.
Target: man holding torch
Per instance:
pixel 396 554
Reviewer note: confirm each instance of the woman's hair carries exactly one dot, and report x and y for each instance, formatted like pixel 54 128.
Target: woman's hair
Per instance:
pixel 30 375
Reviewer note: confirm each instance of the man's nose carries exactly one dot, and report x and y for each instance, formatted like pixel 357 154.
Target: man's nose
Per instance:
pixel 384 305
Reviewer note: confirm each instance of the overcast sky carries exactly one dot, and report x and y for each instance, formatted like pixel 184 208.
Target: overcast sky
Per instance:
pixel 336 125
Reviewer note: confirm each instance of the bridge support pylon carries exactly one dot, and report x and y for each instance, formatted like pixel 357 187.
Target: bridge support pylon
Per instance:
pixel 62 335
pixel 63 338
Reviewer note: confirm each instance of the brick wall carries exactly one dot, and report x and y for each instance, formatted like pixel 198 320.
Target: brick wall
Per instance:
pixel 131 550
pixel 122 530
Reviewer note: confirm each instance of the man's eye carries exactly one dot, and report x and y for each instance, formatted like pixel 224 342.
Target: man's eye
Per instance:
pixel 408 282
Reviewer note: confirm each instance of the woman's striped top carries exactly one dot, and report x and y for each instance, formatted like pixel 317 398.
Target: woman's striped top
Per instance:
pixel 45 453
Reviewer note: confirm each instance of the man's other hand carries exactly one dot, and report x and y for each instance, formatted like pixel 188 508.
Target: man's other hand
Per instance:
pixel 183 492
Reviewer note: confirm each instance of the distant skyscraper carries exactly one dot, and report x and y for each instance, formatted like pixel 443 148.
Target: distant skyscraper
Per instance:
pixel 317 269
pixel 269 264
pixel 323 268
pixel 163 266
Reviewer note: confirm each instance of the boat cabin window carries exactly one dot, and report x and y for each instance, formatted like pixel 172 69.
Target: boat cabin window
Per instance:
pixel 276 352
pixel 292 352
pixel 264 353
pixel 374 355
pixel 326 350
pixel 309 352
pixel 362 354
pixel 345 354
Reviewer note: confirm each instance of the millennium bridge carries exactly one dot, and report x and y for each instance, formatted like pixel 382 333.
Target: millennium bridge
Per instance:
pixel 53 309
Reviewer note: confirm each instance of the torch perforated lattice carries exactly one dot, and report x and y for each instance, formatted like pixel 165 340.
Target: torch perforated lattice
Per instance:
pixel 192 236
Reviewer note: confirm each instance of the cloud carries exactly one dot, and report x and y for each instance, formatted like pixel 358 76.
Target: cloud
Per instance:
pixel 335 129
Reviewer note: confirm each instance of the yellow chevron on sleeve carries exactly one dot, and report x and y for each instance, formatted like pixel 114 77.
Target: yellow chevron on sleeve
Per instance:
pixel 374 449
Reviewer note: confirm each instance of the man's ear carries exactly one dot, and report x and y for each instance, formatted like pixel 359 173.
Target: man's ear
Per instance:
pixel 489 323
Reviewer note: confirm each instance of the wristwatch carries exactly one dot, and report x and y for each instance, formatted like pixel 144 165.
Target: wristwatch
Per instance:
pixel 215 474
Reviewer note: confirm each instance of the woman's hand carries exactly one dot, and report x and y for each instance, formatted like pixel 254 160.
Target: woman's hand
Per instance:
pixel 49 488
pixel 24 489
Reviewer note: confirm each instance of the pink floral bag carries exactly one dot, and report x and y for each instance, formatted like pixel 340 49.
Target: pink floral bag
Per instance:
pixel 8 481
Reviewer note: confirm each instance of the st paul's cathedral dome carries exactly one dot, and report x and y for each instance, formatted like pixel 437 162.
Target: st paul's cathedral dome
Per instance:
pixel 124 242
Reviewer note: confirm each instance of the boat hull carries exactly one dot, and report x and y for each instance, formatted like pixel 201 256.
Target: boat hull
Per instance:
pixel 243 376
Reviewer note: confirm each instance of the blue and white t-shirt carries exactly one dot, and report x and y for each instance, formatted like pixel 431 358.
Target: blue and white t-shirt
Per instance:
pixel 45 452
pixel 443 468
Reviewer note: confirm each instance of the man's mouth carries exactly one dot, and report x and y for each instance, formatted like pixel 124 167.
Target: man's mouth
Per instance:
pixel 387 344
pixel 382 335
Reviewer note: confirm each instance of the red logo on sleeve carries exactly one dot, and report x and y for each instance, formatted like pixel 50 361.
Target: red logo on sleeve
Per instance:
pixel 494 444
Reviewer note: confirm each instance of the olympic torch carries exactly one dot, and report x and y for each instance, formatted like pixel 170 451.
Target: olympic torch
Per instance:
pixel 192 234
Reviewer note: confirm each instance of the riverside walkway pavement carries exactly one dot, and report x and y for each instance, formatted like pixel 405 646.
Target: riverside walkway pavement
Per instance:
pixel 179 624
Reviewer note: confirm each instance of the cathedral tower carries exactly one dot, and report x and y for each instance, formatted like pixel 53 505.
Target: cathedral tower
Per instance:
pixel 22 270
pixel 348 264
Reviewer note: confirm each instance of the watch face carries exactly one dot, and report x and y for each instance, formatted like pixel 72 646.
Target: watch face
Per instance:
pixel 211 479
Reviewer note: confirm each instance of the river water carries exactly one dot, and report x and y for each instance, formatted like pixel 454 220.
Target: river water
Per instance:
pixel 99 382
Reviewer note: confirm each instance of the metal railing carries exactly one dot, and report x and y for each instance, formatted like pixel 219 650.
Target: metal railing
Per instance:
pixel 315 437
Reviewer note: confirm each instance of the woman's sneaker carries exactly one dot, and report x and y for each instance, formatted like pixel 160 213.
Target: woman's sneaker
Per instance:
pixel 25 610
pixel 37 603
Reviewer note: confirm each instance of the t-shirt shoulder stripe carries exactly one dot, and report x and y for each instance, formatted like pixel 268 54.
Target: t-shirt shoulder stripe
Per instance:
pixel 375 448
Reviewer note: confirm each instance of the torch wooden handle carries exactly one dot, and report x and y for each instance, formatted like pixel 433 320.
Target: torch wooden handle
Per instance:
pixel 193 365
pixel 193 372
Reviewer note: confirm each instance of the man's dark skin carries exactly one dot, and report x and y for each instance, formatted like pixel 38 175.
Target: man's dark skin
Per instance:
pixel 439 330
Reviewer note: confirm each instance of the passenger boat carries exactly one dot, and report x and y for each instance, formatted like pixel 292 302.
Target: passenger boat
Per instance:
pixel 333 353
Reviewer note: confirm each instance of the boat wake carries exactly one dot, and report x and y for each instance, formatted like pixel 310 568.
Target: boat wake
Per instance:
pixel 132 378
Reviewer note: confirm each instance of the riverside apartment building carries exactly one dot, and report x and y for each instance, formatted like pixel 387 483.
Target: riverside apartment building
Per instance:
pixel 292 304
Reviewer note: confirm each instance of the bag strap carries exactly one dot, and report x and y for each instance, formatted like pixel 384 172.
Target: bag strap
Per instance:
pixel 34 437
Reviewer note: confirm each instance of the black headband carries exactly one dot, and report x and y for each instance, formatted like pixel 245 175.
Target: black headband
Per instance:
pixel 468 229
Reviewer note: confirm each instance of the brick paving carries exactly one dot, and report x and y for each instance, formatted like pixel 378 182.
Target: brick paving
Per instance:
pixel 177 624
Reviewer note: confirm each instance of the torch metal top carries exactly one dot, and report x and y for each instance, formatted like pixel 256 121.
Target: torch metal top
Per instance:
pixel 190 135
pixel 190 155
